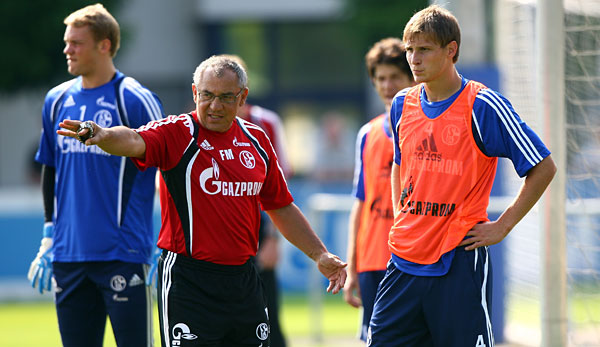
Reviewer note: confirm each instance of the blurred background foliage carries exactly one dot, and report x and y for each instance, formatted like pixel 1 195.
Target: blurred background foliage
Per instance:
pixel 371 20
pixel 31 37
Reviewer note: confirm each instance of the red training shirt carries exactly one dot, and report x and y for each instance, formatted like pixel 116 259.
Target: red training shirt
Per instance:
pixel 213 186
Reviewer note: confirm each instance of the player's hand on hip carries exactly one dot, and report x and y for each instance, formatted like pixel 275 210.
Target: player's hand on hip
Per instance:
pixel 40 271
pixel 332 267
pixel 484 234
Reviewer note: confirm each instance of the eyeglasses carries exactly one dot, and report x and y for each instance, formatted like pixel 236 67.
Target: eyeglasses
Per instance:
pixel 227 98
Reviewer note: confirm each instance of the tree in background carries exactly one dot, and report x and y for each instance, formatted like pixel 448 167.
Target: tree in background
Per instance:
pixel 31 37
pixel 370 21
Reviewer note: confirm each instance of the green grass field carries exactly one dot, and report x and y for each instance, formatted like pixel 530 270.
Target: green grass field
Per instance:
pixel 34 324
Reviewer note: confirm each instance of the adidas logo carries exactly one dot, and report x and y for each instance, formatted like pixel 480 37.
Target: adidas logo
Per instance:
pixel 427 150
pixel 206 146
pixel 69 102
pixel 135 280
pixel 427 145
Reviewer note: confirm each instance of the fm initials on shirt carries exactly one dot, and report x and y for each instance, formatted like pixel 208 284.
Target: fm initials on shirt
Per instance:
pixel 226 154
pixel 480 342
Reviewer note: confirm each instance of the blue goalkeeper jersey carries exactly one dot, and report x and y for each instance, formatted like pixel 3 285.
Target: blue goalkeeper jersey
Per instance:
pixel 103 203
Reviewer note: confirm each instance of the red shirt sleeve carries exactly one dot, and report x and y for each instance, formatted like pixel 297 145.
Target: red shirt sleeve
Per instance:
pixel 166 141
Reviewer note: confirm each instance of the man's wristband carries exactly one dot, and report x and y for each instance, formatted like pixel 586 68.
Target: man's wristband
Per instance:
pixel 48 229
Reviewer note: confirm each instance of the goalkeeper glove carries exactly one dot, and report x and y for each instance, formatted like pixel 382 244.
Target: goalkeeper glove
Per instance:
pixel 40 271
pixel 153 266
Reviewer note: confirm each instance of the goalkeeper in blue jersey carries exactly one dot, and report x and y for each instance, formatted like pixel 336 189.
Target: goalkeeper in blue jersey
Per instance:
pixel 98 234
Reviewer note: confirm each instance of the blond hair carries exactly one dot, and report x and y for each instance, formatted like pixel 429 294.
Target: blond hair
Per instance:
pixel 101 23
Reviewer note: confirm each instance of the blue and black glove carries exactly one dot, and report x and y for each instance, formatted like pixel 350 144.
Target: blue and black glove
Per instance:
pixel 40 271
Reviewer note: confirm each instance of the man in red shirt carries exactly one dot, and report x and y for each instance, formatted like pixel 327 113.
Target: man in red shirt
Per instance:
pixel 268 239
pixel 218 172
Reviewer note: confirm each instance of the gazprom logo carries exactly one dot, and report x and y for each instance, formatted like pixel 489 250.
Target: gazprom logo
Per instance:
pixel 236 143
pixel 181 331
pixel 211 172
pixel 210 184
pixel 68 145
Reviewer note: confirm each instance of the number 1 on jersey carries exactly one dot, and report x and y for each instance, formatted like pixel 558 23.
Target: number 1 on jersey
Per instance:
pixel 82 113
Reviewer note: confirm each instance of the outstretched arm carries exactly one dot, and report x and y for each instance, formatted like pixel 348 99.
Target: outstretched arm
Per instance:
pixel 295 228
pixel 120 140
pixel 490 233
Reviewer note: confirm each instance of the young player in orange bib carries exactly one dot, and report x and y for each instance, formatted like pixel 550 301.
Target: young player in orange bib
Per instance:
pixel 371 216
pixel 448 133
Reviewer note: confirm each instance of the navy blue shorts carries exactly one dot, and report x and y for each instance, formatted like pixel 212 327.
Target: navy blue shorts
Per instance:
pixel 202 303
pixel 451 310
pixel 89 291
pixel 368 282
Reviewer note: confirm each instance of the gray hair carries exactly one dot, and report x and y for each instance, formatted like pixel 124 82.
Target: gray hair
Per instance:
pixel 218 64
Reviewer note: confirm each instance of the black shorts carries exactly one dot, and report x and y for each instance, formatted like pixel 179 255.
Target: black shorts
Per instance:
pixel 202 303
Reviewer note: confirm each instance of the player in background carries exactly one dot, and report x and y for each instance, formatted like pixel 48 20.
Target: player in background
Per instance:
pixel 448 134
pixel 218 172
pixel 372 214
pixel 268 237
pixel 98 233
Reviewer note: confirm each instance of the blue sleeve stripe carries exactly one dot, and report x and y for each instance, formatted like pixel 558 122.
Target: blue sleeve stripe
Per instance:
pixel 154 110
pixel 358 182
pixel 144 95
pixel 152 106
pixel 511 123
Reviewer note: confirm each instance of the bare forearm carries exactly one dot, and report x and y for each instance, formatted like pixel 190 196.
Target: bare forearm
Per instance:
pixel 353 225
pixel 536 182
pixel 122 141
pixel 295 228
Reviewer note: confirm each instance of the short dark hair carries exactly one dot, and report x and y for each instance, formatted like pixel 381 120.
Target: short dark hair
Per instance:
pixel 437 23
pixel 387 51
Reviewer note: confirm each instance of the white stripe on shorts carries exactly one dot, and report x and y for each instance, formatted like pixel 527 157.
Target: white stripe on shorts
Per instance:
pixel 166 286
pixel 483 295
